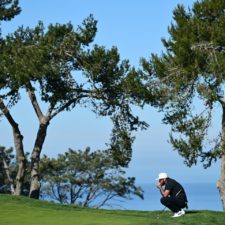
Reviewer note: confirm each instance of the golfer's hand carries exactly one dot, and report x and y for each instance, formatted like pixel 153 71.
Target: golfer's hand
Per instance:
pixel 158 185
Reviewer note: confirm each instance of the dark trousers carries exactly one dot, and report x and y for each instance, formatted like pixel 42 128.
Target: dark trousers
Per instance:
pixel 174 204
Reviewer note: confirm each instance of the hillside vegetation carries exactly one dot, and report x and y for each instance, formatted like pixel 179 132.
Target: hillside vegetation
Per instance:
pixel 23 211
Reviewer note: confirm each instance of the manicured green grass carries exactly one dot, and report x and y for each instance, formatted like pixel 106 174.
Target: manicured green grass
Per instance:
pixel 23 211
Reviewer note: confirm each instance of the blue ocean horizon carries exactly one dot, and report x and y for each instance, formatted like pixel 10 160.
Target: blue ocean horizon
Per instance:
pixel 201 196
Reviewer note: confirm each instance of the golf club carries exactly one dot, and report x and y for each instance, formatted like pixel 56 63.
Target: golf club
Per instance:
pixel 160 213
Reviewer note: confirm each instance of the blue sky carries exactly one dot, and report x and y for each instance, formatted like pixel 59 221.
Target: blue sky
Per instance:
pixel 136 28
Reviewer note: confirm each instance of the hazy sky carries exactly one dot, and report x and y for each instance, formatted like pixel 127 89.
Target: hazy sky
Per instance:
pixel 136 28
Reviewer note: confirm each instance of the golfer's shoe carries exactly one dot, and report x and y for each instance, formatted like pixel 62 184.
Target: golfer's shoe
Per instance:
pixel 178 214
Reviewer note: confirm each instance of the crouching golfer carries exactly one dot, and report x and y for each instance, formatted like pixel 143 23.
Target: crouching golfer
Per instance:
pixel 173 194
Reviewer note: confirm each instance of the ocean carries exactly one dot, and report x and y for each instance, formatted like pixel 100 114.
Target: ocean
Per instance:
pixel 201 196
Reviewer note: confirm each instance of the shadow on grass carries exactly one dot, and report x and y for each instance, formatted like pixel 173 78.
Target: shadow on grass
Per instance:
pixel 192 212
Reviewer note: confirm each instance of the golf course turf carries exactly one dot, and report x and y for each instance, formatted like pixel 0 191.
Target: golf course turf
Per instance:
pixel 24 211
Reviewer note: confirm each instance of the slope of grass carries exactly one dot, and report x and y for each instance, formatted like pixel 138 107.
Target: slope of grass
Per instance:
pixel 23 211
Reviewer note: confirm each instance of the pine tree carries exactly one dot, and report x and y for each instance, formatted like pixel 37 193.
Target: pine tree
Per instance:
pixel 189 82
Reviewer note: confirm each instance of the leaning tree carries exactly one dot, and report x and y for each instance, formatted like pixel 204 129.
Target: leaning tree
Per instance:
pixel 48 64
pixel 189 80
pixel 8 10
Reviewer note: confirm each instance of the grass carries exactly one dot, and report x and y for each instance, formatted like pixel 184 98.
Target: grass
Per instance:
pixel 24 211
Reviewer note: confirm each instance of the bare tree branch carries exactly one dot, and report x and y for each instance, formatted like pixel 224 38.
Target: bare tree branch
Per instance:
pixel 34 102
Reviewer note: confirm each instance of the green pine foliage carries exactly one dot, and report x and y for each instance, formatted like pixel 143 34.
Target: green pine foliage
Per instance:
pixel 9 9
pixel 60 67
pixel 188 79
pixel 86 178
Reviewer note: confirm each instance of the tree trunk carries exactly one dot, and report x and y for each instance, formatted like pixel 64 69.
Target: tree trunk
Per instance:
pixel 35 160
pixel 18 142
pixel 21 162
pixel 221 181
pixel 6 168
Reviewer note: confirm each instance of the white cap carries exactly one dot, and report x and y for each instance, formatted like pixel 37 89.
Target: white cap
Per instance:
pixel 162 176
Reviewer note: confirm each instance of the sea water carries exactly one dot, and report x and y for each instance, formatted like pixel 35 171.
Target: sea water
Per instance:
pixel 201 196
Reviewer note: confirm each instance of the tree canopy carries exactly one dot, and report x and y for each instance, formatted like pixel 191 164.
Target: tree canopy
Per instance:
pixel 189 80
pixel 86 178
pixel 60 67
pixel 9 9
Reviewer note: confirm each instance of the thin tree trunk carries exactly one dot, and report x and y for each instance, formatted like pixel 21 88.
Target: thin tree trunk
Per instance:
pixel 72 195
pixel 35 160
pixel 221 181
pixel 6 168
pixel 18 142
pixel 88 197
